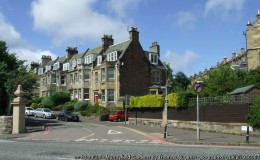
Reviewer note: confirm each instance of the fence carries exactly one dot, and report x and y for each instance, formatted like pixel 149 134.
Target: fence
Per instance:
pixel 225 109
pixel 220 100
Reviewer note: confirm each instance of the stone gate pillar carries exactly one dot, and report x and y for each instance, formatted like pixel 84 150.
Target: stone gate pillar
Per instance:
pixel 18 111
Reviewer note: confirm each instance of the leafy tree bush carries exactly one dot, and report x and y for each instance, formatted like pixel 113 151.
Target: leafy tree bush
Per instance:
pixel 254 113
pixel 60 98
pixel 47 102
pixel 153 101
pixel 183 99
pixel 80 106
pixel 253 77
pixel 34 105
pixel 12 73
pixel 37 100
pixel 69 105
pixel 146 101
pixel 222 80
pixel 172 99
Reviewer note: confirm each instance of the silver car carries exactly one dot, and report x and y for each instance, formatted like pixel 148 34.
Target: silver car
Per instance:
pixel 29 111
pixel 44 113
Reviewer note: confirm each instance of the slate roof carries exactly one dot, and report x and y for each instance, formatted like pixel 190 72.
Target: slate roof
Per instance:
pixel 50 63
pixel 96 50
pixel 62 59
pixel 242 90
pixel 77 56
pixel 118 47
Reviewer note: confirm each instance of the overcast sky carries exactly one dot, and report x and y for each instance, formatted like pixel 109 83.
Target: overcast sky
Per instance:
pixel 193 35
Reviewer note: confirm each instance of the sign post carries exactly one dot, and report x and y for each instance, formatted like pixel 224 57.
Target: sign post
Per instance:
pixel 197 87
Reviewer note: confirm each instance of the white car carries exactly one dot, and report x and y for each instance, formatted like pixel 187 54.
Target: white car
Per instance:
pixel 29 111
pixel 44 113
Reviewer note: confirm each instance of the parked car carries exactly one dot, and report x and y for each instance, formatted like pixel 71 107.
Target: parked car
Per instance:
pixel 44 113
pixel 67 116
pixel 118 115
pixel 29 111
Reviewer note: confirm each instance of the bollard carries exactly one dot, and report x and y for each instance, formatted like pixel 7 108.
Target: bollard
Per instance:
pixel 247 134
pixel 165 131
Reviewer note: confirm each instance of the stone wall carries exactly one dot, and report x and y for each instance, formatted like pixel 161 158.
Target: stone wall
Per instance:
pixel 6 124
pixel 218 127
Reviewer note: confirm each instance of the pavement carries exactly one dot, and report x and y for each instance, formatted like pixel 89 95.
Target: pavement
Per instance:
pixel 174 135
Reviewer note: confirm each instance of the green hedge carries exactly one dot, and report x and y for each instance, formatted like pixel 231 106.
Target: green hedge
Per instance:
pixel 254 113
pixel 152 101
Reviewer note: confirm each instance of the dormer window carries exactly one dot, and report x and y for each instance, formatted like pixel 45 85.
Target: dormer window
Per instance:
pixel 79 61
pixel 56 66
pixel 89 59
pixel 74 63
pixel 153 58
pixel 99 60
pixel 66 66
pixel 47 68
pixel 112 56
pixel 40 71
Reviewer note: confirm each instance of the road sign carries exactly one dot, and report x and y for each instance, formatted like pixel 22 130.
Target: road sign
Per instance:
pixel 197 87
pixel 244 128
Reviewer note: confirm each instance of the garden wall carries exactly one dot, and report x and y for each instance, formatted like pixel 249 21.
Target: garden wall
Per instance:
pixel 6 124
pixel 218 127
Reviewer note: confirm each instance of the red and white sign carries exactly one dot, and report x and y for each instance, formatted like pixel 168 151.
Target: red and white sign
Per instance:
pixel 197 87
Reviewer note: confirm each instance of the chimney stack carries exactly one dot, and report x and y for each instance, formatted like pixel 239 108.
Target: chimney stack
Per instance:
pixel 45 59
pixel 71 51
pixel 258 14
pixel 134 34
pixel 155 48
pixel 107 41
pixel 234 55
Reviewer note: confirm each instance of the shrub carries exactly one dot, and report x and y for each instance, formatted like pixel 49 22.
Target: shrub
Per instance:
pixel 92 110
pixel 60 98
pixel 172 99
pixel 34 105
pixel 37 100
pixel 69 106
pixel 146 101
pixel 254 113
pixel 47 102
pixel 80 106
pixel 183 99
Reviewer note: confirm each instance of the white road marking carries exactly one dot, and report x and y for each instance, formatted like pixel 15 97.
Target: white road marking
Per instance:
pixel 6 141
pixel 119 141
pixel 114 132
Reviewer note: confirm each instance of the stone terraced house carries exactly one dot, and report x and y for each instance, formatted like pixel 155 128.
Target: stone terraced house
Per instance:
pixel 105 73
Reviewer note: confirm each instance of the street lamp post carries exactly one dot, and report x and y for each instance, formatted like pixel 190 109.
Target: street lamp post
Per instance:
pixel 166 112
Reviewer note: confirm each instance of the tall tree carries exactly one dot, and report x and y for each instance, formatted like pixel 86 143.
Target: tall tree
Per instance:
pixel 253 77
pixel 12 73
pixel 222 80
pixel 181 81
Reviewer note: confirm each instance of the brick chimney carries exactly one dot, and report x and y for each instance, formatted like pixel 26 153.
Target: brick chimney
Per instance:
pixel 71 51
pixel 45 59
pixel 155 48
pixel 107 41
pixel 134 34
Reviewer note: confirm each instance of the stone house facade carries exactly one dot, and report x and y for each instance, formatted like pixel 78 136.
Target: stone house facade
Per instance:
pixel 106 73
pixel 248 58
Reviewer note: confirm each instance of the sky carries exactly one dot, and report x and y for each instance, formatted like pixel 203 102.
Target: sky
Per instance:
pixel 193 35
